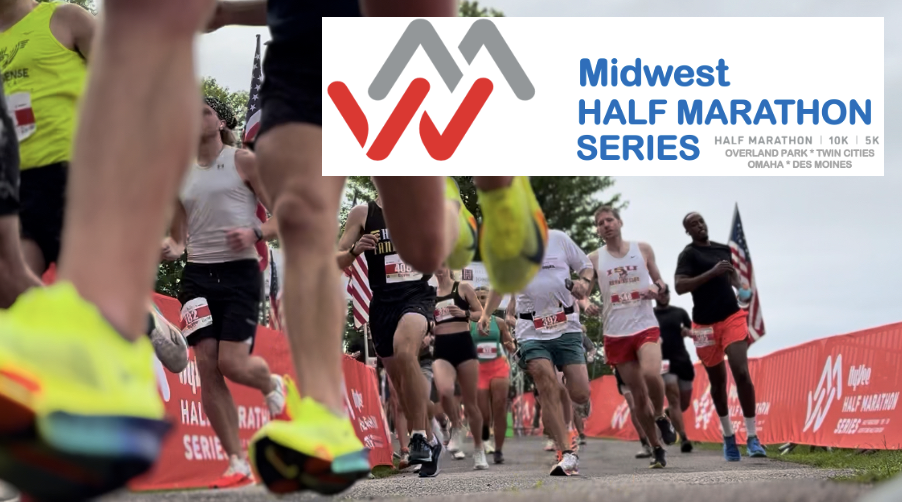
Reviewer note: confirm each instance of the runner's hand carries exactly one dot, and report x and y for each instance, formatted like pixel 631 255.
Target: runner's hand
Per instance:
pixel 579 290
pixel 592 310
pixel 456 311
pixel 510 346
pixel 722 267
pixel 240 239
pixel 485 323
pixel 366 243
pixel 686 332
pixel 511 321
pixel 169 250
pixel 649 294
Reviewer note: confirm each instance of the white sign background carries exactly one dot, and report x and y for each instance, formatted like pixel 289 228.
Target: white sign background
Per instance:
pixel 768 58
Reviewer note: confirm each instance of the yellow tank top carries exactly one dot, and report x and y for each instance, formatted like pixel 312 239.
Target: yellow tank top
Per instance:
pixel 43 81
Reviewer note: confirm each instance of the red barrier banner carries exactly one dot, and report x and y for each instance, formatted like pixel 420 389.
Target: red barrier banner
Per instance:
pixel 841 391
pixel 192 455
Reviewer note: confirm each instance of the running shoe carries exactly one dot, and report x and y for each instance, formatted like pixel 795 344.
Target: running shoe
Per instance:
pixel 582 439
pixel 316 450
pixel 168 343
pixel 686 446
pixel 730 449
pixel 465 247
pixel 420 451
pixel 668 434
pixel 403 459
pixel 457 440
pixel 488 447
pixel 498 457
pixel 567 466
pixel 645 452
pixel 81 411
pixel 550 446
pixel 659 461
pixel 513 236
pixel 431 469
pixel 275 400
pixel 754 448
pixel 479 463
pixel 574 440
pixel 237 475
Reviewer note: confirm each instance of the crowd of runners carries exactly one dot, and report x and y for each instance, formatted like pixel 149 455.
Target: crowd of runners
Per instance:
pixel 100 121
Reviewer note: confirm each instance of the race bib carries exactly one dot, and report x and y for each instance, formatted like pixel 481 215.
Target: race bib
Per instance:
pixel 487 350
pixel 442 312
pixel 22 114
pixel 665 366
pixel 625 299
pixel 550 321
pixel 195 315
pixel 398 271
pixel 704 337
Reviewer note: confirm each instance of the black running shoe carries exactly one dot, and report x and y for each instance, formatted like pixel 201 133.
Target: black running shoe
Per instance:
pixel 431 469
pixel 499 457
pixel 658 462
pixel 420 451
pixel 668 434
pixel 686 446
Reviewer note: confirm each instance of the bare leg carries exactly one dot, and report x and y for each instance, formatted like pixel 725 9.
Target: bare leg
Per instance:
pixel 632 375
pixel 650 360
pixel 15 277
pixel 484 398
pixel 673 402
pixel 717 375
pixel 445 376
pixel 216 397
pixel 737 355
pixel 499 390
pixel 141 94
pixel 34 257
pixel 550 389
pixel 305 204
pixel 468 376
pixel 236 364
pixel 633 413
pixel 408 340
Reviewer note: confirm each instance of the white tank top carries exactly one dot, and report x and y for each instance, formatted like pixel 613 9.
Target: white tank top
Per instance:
pixel 620 280
pixel 216 200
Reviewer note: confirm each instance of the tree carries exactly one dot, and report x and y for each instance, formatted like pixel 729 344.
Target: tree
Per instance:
pixel 87 4
pixel 472 9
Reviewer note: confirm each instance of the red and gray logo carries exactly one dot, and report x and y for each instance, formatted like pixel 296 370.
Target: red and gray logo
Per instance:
pixel 421 33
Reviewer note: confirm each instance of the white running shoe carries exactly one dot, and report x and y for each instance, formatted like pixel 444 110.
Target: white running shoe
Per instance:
pixel 489 447
pixel 168 343
pixel 457 440
pixel 568 466
pixel 550 446
pixel 479 463
pixel 275 400
pixel 459 455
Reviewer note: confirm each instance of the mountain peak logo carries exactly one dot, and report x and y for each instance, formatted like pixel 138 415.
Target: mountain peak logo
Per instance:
pixel 829 389
pixel 421 33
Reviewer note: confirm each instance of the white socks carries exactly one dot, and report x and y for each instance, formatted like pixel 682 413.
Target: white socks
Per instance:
pixel 422 433
pixel 726 426
pixel 750 429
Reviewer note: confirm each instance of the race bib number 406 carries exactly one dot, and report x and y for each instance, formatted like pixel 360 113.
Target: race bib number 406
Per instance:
pixel 398 271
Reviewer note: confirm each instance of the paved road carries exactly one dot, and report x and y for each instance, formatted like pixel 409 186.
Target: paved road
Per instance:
pixel 608 472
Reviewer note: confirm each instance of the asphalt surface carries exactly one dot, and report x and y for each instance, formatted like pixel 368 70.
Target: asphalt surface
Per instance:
pixel 608 472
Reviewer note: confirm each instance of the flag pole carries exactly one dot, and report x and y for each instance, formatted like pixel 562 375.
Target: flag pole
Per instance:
pixel 366 344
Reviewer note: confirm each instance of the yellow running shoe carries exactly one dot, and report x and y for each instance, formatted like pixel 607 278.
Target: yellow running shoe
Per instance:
pixel 465 247
pixel 513 235
pixel 81 411
pixel 316 450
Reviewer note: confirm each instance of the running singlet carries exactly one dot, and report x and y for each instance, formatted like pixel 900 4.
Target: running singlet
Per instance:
pixel 488 348
pixel 620 281
pixel 443 303
pixel 43 81
pixel 216 200
pixel 389 276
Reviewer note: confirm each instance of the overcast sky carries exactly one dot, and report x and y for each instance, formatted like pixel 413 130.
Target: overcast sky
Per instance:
pixel 825 251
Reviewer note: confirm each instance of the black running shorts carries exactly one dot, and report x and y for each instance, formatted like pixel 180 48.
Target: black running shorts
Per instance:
pixel 456 348
pixel 9 162
pixel 43 196
pixel 385 315
pixel 232 292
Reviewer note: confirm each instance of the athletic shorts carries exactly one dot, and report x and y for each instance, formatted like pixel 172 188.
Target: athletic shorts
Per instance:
pixel 9 163
pixel 711 341
pixel 231 292
pixel 493 370
pixel 426 369
pixel 43 197
pixel 562 351
pixel 385 315
pixel 455 348
pixel 621 385
pixel 680 371
pixel 623 349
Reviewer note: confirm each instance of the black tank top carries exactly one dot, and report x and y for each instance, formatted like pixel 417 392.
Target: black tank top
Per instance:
pixel 389 276
pixel 443 302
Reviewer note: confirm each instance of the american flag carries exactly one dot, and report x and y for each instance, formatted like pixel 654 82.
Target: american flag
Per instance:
pixel 252 122
pixel 359 289
pixel 742 261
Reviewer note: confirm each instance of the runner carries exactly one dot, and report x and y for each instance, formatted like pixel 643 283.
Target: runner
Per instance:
pixel 624 390
pixel 456 360
pixel 550 336
pixel 221 283
pixel 677 366
pixel 494 376
pixel 719 328
pixel 580 413
pixel 628 278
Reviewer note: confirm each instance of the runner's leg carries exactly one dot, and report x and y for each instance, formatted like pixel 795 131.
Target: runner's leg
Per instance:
pixel 15 276
pixel 672 390
pixel 445 376
pixel 236 364
pixel 219 406
pixel 737 355
pixel 407 342
pixel 650 361
pixel 499 389
pixel 468 376
pixel 148 44
pixel 632 375
pixel 717 376
pixel 551 391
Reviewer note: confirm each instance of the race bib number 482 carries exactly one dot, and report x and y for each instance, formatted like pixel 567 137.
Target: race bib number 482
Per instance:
pixel 398 271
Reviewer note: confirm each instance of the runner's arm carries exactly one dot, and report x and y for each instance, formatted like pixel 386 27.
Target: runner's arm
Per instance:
pixel 469 294
pixel 652 265
pixel 238 12
pixel 684 281
pixel 246 162
pixel 352 233
pixel 173 245
pixel 506 339
pixel 74 26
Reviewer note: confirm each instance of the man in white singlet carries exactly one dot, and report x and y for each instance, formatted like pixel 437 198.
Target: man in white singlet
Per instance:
pixel 222 282
pixel 629 280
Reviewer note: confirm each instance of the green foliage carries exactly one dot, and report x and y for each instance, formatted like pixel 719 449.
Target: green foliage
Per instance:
pixel 87 4
pixel 472 9
pixel 869 467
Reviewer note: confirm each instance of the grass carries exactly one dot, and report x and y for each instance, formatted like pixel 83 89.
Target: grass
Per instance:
pixel 871 467
pixel 384 471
